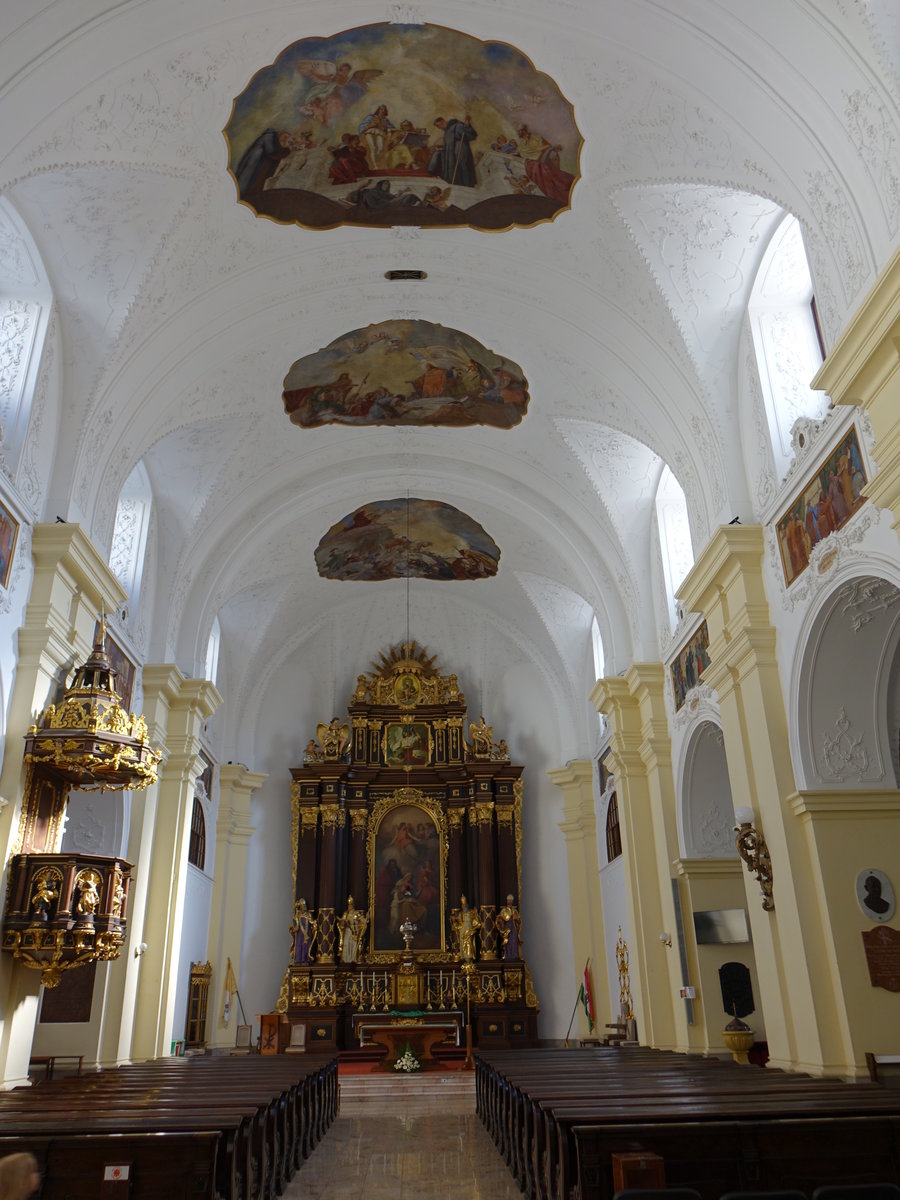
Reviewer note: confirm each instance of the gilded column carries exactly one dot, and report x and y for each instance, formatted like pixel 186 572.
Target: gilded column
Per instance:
pixel 226 927
pixel 506 852
pixel 641 756
pixel 333 818
pixel 726 584
pixel 456 855
pixel 304 825
pixel 487 892
pixel 175 708
pixel 359 883
pixel 579 827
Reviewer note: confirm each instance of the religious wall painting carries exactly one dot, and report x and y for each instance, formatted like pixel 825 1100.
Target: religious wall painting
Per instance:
pixel 689 664
pixel 392 124
pixel 405 373
pixel 9 535
pixel 122 665
pixel 407 856
pixel 824 505
pixel 390 539
pixel 407 744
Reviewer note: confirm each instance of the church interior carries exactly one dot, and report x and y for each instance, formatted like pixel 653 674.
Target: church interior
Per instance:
pixel 560 706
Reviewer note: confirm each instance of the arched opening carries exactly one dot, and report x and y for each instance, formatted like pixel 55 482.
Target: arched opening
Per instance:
pixel 706 804
pixel 848 689
pixel 129 540
pixel 211 667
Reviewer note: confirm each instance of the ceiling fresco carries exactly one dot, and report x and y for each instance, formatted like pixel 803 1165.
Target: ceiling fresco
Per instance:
pixel 403 124
pixel 403 372
pixel 390 539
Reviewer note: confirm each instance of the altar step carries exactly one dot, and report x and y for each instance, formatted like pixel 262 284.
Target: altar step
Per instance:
pixel 384 1088
pixel 368 1060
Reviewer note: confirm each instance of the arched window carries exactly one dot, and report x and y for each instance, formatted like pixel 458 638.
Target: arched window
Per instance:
pixel 212 651
pixel 129 541
pixel 674 536
pixel 597 648
pixel 613 833
pixel 25 303
pixel 197 846
pixel 787 338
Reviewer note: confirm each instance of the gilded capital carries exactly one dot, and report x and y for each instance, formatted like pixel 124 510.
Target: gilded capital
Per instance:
pixel 309 816
pixel 333 816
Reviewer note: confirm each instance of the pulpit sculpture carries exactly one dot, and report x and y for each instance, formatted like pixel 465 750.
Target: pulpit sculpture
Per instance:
pixel 351 930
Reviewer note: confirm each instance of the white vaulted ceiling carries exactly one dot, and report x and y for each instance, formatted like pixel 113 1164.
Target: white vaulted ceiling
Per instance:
pixel 179 312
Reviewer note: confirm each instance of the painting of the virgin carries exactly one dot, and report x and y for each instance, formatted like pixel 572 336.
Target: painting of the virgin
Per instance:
pixel 407 879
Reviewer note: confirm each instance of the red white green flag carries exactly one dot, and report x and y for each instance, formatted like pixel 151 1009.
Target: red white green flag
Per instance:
pixel 586 997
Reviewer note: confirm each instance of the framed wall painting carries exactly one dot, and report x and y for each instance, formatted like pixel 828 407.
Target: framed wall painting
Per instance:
pixel 825 504
pixel 9 535
pixel 690 663
pixel 123 666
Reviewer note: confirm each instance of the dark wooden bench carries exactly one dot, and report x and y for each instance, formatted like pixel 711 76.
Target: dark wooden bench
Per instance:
pixel 265 1116
pixel 533 1102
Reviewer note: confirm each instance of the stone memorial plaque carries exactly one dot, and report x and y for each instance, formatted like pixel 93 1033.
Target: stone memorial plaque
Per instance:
pixel 882 946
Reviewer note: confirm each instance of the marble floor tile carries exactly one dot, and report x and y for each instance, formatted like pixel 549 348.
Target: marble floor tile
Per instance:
pixel 405 1147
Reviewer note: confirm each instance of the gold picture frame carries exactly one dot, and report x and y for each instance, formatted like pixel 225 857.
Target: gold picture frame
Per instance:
pixel 407 842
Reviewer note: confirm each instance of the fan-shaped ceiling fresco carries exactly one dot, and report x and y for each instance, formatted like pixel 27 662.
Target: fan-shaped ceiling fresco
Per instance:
pixel 390 539
pixel 403 124
pixel 405 373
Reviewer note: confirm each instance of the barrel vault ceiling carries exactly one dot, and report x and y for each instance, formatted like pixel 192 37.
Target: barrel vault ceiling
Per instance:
pixel 178 312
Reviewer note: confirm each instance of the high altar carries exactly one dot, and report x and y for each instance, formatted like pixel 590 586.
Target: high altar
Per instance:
pixel 407 840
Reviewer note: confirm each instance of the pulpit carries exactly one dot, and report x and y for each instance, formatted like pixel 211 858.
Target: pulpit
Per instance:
pixel 406 840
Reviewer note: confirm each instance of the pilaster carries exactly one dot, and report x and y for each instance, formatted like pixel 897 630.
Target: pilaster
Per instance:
pixel 579 826
pixel 71 583
pixel 233 830
pixel 641 754
pixel 175 709
pixel 799 1001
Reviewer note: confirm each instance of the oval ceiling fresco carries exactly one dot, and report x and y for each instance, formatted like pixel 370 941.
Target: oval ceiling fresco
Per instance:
pixel 403 125
pixel 403 372
pixel 390 539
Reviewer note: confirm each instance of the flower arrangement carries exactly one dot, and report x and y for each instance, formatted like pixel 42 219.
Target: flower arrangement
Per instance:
pixel 407 1060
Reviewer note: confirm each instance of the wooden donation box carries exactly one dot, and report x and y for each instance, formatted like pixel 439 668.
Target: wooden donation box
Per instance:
pixel 407 835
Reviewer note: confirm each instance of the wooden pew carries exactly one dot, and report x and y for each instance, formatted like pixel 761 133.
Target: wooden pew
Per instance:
pixel 267 1114
pixel 531 1102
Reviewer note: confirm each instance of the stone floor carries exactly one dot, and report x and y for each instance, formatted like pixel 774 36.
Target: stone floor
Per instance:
pixel 407 1139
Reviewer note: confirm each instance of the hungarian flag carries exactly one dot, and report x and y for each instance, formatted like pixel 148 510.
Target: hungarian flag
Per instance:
pixel 586 997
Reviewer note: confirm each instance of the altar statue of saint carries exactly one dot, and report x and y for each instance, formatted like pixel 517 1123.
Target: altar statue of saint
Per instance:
pixel 482 736
pixel 466 923
pixel 510 925
pixel 351 927
pixel 303 932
